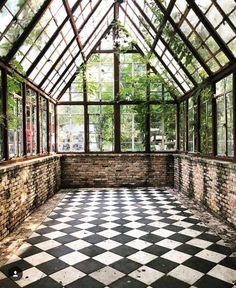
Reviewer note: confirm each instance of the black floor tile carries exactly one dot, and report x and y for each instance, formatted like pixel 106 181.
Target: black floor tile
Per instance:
pixel 88 266
pixel 125 265
pixel 52 266
pixel 85 282
pixel 127 282
pixel 199 264
pixel 208 282
pixel 162 265
pixel 170 282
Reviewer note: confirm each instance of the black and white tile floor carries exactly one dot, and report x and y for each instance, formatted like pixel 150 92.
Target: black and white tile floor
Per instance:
pixel 122 238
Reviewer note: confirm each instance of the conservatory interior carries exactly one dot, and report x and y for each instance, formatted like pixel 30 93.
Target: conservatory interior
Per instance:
pixel 118 143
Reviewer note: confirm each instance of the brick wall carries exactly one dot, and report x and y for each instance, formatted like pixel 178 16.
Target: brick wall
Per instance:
pixel 115 170
pixel 23 187
pixel 210 182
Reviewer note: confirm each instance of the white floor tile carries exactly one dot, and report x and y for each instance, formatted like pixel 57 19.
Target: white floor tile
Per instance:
pixel 38 258
pixel 142 257
pixel 78 244
pixel 138 244
pixel 29 276
pixel 67 275
pixel 73 258
pixel 210 255
pixel 186 274
pixel 223 273
pixel 176 256
pixel 146 275
pixel 107 275
pixel 107 258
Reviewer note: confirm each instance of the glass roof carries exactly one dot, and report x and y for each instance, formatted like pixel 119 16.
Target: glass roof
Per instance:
pixel 186 41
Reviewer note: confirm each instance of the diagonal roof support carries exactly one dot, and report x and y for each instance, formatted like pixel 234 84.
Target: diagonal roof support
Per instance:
pixel 159 58
pixel 166 44
pixel 88 39
pixel 72 22
pixel 27 30
pixel 89 55
pixel 163 24
pixel 211 30
pixel 185 40
pixel 68 46
pixel 51 40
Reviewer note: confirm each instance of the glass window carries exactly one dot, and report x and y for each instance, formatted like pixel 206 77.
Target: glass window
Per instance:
pixel 224 104
pixel 31 121
pixel 15 120
pixel 163 130
pixel 43 124
pixel 133 127
pixel 133 77
pixel 100 77
pixel 182 126
pixel 192 135
pixel 52 126
pixel 206 121
pixel 1 120
pixel 70 128
pixel 101 128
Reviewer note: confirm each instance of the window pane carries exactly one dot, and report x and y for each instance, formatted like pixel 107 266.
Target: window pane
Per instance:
pixel 31 122
pixel 52 126
pixel 182 129
pixel 15 121
pixel 133 127
pixel 43 124
pixel 101 128
pixel 163 122
pixel 70 128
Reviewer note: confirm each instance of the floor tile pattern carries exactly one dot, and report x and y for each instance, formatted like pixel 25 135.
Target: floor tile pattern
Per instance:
pixel 122 238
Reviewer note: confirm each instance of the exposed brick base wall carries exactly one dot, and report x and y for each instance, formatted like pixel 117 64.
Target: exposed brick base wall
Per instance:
pixel 115 170
pixel 210 182
pixel 23 187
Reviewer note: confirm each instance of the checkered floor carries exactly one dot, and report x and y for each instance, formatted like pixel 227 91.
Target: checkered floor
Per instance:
pixel 121 238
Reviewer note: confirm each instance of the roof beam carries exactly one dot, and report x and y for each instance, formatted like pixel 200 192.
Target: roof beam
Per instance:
pixel 163 23
pixel 185 40
pixel 72 22
pixel 212 30
pixel 166 44
pixel 159 58
pixel 27 30
pixel 51 40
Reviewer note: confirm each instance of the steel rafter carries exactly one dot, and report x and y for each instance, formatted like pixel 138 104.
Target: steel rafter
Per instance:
pixel 159 58
pixel 185 39
pixel 27 31
pixel 211 30
pixel 72 22
pixel 163 23
pixel 54 36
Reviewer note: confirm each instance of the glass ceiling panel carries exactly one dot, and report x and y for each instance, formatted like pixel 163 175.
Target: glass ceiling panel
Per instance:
pixel 222 15
pixel 95 19
pixel 41 34
pixel 194 30
pixel 15 16
pixel 97 34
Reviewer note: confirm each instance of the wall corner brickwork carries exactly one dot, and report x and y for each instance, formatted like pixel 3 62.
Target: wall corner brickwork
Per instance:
pixel 209 182
pixel 24 186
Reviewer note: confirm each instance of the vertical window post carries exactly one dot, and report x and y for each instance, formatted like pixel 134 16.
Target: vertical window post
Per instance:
pixel 38 122
pixel 214 123
pixel 5 115
pixel 148 114
pixel 48 128
pixel 86 116
pixel 24 118
pixel 186 125
pixel 178 125
pixel 234 111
